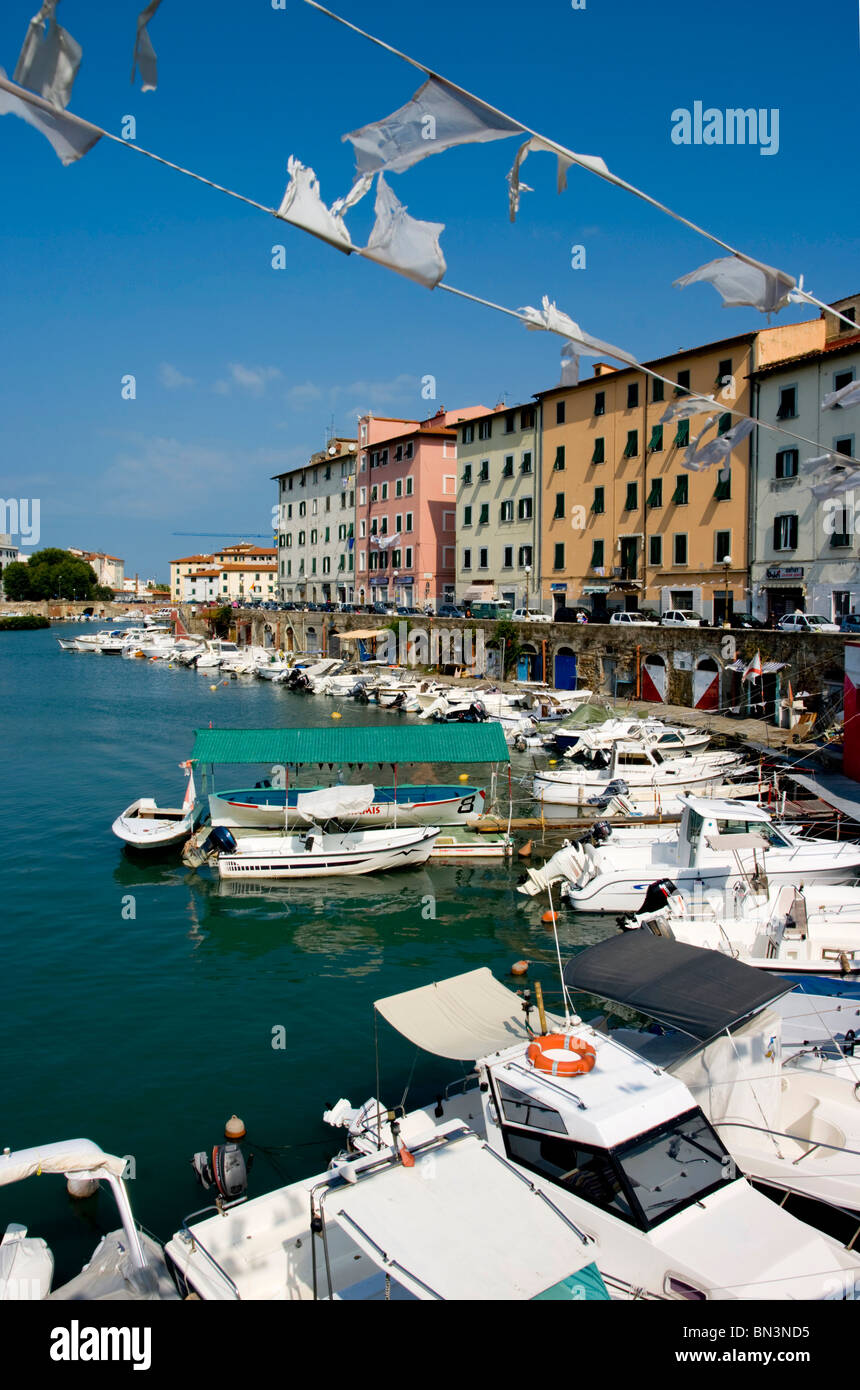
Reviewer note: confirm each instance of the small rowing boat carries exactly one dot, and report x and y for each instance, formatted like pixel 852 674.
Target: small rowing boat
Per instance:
pixel 144 825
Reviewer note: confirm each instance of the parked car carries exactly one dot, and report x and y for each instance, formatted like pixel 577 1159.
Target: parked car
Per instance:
pixel 403 612
pixel 449 610
pixel 531 615
pixel 806 622
pixel 748 622
pixel 573 615
pixel 850 623
pixel 384 610
pixel 623 619
pixel 489 609
pixel 680 617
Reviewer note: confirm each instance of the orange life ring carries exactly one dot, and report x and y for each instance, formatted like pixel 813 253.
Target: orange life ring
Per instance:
pixel 556 1042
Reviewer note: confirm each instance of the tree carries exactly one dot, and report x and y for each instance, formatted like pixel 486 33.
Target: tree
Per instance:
pixel 53 573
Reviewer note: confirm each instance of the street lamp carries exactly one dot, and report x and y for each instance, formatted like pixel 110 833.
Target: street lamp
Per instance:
pixel 528 586
pixel 726 562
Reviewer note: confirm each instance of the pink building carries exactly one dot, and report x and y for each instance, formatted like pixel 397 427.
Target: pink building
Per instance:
pixel 406 509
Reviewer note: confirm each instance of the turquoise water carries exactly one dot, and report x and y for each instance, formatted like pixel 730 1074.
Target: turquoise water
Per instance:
pixel 145 1032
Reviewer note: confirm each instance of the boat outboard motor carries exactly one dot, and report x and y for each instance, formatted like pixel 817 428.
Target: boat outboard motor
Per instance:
pixel 359 692
pixel 226 1168
pixel 600 832
pixel 220 840
pixel 477 713
pixel 617 787
pixel 658 895
pixel 398 701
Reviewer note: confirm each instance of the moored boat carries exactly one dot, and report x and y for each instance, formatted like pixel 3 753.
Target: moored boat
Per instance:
pixel 145 825
pixel 273 807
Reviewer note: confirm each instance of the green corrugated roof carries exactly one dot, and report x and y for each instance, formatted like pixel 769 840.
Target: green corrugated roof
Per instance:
pixel 416 743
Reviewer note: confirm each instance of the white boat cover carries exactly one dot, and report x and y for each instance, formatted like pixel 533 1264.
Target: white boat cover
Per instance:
pixel 461 1224
pixel 71 1156
pixel 335 801
pixel 466 1017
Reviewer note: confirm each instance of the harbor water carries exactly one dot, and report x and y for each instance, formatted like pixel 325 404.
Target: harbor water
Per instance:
pixel 144 1003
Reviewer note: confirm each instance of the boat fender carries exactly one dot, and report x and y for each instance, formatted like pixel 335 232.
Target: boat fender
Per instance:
pixel 579 1063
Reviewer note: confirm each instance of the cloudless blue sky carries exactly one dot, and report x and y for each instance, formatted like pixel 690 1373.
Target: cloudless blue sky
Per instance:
pixel 118 265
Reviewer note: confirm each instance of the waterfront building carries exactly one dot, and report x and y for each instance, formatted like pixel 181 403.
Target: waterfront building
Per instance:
pixel 624 523
pixel 9 554
pixel 805 553
pixel 109 569
pixel 498 507
pixel 316 526
pixel 202 586
pixel 243 571
pixel 406 509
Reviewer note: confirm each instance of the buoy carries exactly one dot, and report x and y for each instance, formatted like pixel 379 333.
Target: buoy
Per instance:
pixel 553 761
pixel 234 1129
pixel 520 967
pixel 335 714
pixel 406 1158
pixel 213 687
pixel 82 1187
pixel 526 850
pixel 225 682
pixel 464 777
pixel 549 917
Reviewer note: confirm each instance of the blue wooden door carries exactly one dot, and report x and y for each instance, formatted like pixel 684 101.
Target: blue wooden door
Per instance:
pixel 565 672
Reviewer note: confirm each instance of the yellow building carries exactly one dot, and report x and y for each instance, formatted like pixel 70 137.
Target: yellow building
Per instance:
pixel 625 524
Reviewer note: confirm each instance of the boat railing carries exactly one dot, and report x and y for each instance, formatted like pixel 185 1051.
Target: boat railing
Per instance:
pixel 461 1081
pixel 813 1144
pixel 197 1245
pixel 527 1182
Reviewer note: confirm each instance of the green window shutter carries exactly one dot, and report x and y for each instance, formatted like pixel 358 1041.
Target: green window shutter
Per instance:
pixel 597 504
pixel 467 516
pixel 725 423
pixel 485 514
pixel 598 456
pixel 632 446
pixel 559 506
pixel 655 496
pixel 681 493
pixel 559 458
pixel 723 490
pixel 596 555
pixel 657 390
pixel 632 502
pixel 656 442
pixel 682 433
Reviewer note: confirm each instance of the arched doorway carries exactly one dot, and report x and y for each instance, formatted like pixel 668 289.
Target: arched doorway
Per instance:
pixel 653 678
pixel 528 663
pixel 565 669
pixel 706 684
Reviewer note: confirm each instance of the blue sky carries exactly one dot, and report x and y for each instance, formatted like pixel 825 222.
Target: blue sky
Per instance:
pixel 118 265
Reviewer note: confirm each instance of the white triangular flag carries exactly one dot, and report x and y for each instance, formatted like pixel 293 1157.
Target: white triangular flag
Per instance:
pixel 753 670
pixel 404 244
pixel 843 398
pixel 303 206
pixel 717 450
pixel 553 320
pixel 685 406
pixel 145 61
pixel 437 118
pixel 49 59
pixel 70 138
pixel 537 144
pixel 741 280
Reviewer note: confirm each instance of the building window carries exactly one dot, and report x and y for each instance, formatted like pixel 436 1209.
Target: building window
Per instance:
pixel 655 550
pixel 467 473
pixel 785 532
pixel 599 455
pixel 508 470
pixel 301 538
pixel 558 557
pixel 410 449
pixel 510 422
pixel 845 445
pixel 657 390
pixel 631 448
pixel 484 475
pixel 681 495
pixel 600 402
pixel 398 454
pixel 558 514
pixel 485 429
pixel 524 509
pixel 559 458
pixel 408 487
pixel 841 539
pixel 484 518
pixel 468 434
pixel 467 559
pixel 683 387
pixel 506 511
pixel 725 423
pixel 398 523
pixel 682 433
pixel 398 488
pixel 597 555
pixel 631 503
pixel 374 493
pixel 787 408
pixel 841 379
pixel 655 496
pixel 526 465
pixel 385 492
pixel 483 559
pixel 722 546
pixel 508 562
pixel 655 444
pixel 632 395
pixel 786 463
pixel 723 489
pixel 383 526
pixel 527 418
pixel 598 505
pixel 409 557
pixel 408 521
pixel 559 412
pixel 680 549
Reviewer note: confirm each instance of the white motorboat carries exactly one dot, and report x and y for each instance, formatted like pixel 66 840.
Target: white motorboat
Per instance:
pixel 808 930
pixel 145 825
pixel 670 740
pixel 447 1219
pixel 316 853
pixel 67 645
pixel 270 807
pixel 616 1142
pixel 794 1129
pixel 647 776
pixel 126 1264
pixel 718 843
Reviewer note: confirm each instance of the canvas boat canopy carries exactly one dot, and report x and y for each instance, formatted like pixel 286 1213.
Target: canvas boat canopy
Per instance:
pixel 464 1018
pixel 839 792
pixel 418 743
pixel 73 1156
pixel 696 990
pixel 363 634
pixel 462 1224
pixel 335 801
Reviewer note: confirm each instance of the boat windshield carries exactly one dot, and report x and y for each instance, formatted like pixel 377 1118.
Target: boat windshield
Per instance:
pixel 644 1182
pixel 754 827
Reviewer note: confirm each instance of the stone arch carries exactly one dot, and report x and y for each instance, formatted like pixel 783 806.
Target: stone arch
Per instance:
pixel 564 668
pixel 653 678
pixel 707 683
